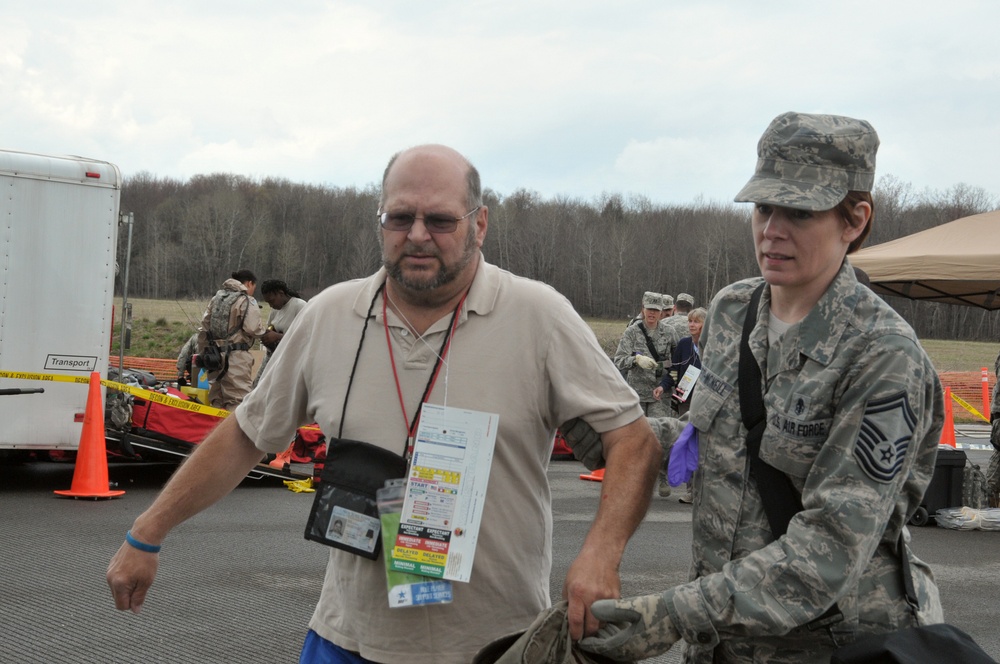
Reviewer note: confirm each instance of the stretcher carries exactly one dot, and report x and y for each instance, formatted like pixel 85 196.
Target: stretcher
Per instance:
pixel 163 430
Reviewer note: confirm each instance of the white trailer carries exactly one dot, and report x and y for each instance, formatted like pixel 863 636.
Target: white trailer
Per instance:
pixel 59 221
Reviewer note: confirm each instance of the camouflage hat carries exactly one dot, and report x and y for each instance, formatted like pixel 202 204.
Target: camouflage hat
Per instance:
pixel 810 162
pixel 684 297
pixel 546 641
pixel 668 301
pixel 651 300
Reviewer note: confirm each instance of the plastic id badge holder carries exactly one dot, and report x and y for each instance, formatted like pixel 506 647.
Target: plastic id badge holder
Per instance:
pixel 344 513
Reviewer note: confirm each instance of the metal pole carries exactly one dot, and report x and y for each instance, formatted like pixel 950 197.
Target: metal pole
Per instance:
pixel 126 318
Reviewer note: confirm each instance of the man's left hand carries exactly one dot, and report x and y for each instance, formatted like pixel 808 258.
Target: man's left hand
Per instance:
pixel 589 579
pixel 634 628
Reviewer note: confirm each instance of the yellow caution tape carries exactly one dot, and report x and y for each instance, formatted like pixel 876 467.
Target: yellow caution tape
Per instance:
pixel 165 399
pixel 148 395
pixel 964 404
pixel 48 377
pixel 301 486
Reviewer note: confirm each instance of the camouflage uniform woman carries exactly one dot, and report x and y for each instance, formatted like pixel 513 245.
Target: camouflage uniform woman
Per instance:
pixel 854 413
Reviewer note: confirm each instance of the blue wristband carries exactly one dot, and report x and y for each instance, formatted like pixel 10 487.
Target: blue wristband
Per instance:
pixel 142 546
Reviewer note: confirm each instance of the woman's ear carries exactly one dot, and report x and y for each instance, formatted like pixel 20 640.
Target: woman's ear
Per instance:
pixel 858 221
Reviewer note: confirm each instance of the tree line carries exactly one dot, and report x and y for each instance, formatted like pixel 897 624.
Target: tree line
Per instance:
pixel 602 253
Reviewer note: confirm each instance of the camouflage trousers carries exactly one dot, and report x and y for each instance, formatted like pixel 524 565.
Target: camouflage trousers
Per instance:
pixel 657 408
pixel 993 479
pixel 666 429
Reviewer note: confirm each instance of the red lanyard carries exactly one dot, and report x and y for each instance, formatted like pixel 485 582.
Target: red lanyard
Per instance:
pixel 411 426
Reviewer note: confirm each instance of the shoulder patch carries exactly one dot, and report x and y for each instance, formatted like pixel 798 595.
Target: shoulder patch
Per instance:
pixel 886 431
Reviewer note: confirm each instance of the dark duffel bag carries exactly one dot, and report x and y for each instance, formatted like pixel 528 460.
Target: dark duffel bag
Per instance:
pixel 929 643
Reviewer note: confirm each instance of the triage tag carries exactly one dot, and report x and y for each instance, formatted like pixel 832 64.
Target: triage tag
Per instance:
pixel 687 382
pixel 405 589
pixel 445 493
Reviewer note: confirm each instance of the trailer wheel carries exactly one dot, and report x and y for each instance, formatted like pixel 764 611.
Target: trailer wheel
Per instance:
pixel 920 517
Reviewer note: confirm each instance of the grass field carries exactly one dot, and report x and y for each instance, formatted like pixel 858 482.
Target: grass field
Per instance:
pixel 160 328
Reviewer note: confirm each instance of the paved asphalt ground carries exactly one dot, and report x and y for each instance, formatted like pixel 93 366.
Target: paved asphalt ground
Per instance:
pixel 238 582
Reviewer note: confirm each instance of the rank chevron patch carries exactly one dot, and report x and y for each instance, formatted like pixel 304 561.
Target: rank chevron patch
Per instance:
pixel 880 456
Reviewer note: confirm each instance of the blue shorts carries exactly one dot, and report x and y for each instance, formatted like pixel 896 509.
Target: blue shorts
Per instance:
pixel 317 650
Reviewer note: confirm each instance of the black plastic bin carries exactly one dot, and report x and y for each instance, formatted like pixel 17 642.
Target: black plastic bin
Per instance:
pixel 945 489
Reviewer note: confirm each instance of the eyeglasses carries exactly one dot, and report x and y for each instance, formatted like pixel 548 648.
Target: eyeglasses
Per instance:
pixel 435 223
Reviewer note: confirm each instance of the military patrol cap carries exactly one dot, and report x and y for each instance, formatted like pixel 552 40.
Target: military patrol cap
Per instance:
pixel 651 300
pixel 684 297
pixel 810 162
pixel 668 301
pixel 546 641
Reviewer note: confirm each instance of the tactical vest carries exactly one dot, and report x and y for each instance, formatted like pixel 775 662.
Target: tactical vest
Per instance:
pixel 219 309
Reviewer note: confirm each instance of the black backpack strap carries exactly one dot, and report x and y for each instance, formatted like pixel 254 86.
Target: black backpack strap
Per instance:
pixel 779 496
pixel 649 342
pixel 243 317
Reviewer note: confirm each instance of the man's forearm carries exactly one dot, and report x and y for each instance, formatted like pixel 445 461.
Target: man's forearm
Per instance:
pixel 632 463
pixel 214 469
pixel 632 458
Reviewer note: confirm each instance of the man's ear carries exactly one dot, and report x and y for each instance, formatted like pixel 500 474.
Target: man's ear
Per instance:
pixel 482 221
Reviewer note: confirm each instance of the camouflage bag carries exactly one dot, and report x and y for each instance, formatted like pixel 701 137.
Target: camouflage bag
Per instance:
pixel 219 309
pixel 213 358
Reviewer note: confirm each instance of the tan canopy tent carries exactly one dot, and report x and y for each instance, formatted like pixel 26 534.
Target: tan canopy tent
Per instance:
pixel 957 263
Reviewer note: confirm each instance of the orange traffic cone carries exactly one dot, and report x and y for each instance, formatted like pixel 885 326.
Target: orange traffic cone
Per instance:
pixel 948 432
pixel 90 475
pixel 595 476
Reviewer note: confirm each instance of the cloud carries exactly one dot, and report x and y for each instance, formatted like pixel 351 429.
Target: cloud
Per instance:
pixel 575 98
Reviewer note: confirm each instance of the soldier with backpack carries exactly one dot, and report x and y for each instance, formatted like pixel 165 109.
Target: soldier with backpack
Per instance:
pixel 230 326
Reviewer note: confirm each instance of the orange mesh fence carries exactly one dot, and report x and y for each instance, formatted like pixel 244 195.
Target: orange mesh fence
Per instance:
pixel 162 368
pixel 968 385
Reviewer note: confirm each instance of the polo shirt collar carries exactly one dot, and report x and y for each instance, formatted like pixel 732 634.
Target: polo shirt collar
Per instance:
pixel 482 296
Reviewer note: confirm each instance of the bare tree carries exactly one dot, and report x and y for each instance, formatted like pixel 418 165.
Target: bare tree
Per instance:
pixel 602 254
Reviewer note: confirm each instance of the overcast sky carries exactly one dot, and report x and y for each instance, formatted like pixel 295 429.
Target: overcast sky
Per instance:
pixel 564 97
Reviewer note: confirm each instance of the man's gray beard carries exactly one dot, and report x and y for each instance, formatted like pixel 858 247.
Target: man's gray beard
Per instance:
pixel 444 274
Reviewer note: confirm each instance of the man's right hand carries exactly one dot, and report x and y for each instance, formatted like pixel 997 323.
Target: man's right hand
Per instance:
pixel 657 392
pixel 130 574
pixel 217 465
